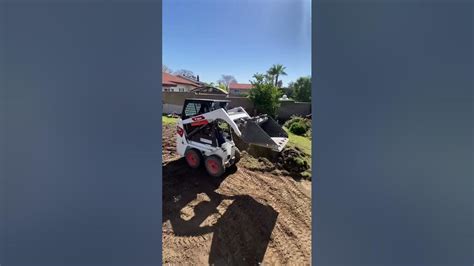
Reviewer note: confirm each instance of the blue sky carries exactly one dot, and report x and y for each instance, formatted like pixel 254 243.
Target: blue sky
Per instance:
pixel 237 37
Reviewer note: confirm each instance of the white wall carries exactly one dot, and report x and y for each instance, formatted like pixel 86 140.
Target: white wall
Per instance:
pixel 179 88
pixel 166 88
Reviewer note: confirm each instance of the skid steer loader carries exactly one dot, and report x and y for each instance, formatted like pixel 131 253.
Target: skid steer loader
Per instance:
pixel 204 134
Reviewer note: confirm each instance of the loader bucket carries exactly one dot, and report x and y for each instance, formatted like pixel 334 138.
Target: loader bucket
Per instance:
pixel 263 131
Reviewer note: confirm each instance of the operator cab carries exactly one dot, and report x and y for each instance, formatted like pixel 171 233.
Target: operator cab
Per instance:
pixel 215 133
pixel 193 107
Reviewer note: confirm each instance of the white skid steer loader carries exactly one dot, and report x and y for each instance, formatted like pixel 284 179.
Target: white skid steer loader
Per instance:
pixel 204 134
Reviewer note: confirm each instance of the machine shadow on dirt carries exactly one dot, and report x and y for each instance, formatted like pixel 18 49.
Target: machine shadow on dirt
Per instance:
pixel 240 236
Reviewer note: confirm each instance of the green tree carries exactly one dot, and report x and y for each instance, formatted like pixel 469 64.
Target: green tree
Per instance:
pixel 289 90
pixel 259 78
pixel 302 89
pixel 265 95
pixel 276 71
pixel 223 87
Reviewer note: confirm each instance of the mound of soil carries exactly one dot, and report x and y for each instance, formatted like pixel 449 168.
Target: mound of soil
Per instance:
pixel 290 161
pixel 293 160
pixel 256 164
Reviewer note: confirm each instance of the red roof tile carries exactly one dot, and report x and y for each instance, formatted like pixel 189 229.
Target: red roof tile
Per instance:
pixel 240 86
pixel 168 84
pixel 170 80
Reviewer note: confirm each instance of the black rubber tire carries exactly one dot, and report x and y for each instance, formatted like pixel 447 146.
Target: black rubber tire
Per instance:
pixel 193 157
pixel 214 166
pixel 237 156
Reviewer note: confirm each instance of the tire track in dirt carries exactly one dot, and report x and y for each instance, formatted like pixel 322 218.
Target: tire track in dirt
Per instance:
pixel 287 225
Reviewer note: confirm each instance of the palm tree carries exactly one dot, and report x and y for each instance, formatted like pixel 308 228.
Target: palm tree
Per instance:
pixel 276 71
pixel 259 77
pixel 223 87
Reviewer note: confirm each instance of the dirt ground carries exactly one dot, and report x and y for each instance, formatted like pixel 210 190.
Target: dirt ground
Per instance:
pixel 243 218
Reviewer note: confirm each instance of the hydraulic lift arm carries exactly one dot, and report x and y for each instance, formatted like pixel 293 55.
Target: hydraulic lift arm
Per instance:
pixel 261 130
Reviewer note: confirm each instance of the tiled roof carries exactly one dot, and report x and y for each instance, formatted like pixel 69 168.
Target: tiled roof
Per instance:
pixel 240 86
pixel 168 84
pixel 172 80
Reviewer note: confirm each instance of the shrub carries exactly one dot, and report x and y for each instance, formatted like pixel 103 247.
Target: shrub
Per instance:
pixel 298 125
pixel 294 119
pixel 298 128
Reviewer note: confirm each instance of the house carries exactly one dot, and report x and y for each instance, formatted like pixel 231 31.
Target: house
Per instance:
pixel 172 83
pixel 194 79
pixel 239 89
pixel 206 89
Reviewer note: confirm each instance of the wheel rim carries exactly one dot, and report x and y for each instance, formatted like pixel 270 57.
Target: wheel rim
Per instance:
pixel 192 159
pixel 213 166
